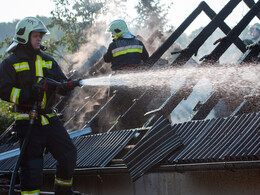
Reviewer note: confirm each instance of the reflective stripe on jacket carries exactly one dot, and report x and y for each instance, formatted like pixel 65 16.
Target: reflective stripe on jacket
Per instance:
pixel 23 116
pixel 126 52
pixel 34 192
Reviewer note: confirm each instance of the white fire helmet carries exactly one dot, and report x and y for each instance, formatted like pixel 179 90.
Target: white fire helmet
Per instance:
pixel 118 28
pixel 256 26
pixel 23 29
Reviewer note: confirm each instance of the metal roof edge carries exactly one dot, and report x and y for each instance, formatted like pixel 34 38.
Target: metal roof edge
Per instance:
pixel 72 134
pixel 9 154
pixel 212 166
pixel 209 166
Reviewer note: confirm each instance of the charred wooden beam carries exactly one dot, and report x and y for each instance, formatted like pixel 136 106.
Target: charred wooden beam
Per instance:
pixel 206 32
pixel 174 36
pixel 224 27
pixel 250 4
pixel 232 35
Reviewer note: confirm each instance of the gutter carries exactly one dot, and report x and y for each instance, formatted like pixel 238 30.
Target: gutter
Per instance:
pixel 181 168
pixel 210 166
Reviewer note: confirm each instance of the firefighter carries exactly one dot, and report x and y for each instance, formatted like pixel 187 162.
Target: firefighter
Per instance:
pixel 255 32
pixel 125 52
pixel 19 72
pixel 255 45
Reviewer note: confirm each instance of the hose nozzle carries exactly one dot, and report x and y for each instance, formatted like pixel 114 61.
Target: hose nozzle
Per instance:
pixel 72 83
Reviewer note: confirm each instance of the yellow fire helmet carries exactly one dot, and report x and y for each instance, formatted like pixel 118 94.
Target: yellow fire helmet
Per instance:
pixel 118 28
pixel 23 29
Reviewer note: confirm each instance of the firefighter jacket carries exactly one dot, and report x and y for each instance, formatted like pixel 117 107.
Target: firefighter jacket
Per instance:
pixel 19 72
pixel 126 53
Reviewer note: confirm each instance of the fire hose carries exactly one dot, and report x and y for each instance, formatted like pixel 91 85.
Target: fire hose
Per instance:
pixel 33 114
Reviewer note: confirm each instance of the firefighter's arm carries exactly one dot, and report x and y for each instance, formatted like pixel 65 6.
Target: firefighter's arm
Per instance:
pixel 254 45
pixel 145 54
pixel 8 90
pixel 108 55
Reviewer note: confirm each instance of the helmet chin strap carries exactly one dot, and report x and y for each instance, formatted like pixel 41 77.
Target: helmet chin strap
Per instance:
pixel 43 48
pixel 119 35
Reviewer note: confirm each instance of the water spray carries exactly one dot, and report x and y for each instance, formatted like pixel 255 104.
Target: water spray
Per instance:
pixel 230 77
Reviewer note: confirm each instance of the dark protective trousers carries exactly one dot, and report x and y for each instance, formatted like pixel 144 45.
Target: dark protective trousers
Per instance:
pixel 56 140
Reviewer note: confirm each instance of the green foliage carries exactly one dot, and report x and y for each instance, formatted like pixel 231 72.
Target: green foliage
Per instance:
pixel 3 45
pixel 152 14
pixel 6 115
pixel 73 19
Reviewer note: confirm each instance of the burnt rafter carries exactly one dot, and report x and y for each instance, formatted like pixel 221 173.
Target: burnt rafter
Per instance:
pixel 217 21
pixel 250 103
pixel 206 32
pixel 232 35
pixel 174 36
pixel 203 109
pixel 250 56
pixel 94 121
pixel 250 4
pixel 224 27
pixel 137 110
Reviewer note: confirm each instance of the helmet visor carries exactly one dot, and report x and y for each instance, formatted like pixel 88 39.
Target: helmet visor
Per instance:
pixel 40 27
pixel 42 31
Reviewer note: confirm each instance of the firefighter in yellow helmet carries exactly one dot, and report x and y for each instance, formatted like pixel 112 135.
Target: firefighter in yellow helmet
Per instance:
pixel 125 51
pixel 19 72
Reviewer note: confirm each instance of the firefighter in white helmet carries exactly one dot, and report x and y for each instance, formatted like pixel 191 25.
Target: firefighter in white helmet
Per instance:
pixel 125 51
pixel 23 29
pixel 19 72
pixel 255 32
pixel 255 42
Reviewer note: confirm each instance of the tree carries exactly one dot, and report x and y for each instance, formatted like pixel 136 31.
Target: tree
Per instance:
pixel 6 115
pixel 3 45
pixel 152 14
pixel 73 18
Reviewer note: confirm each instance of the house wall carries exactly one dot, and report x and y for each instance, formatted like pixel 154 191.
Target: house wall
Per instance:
pixel 245 182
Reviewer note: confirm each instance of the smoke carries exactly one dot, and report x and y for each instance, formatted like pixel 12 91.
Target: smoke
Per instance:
pixel 92 51
pixel 81 100
pixel 82 105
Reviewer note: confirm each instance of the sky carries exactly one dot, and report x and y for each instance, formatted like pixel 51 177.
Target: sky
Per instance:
pixel 18 9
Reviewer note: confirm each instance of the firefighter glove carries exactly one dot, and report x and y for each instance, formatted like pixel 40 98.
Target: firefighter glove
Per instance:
pixel 38 90
pixel 252 46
